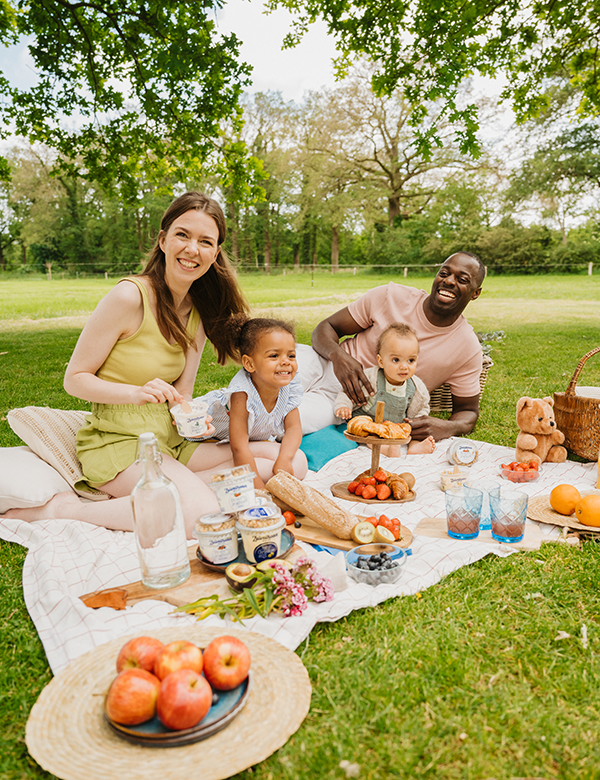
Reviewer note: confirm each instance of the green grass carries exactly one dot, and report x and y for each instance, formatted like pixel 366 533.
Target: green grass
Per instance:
pixel 466 680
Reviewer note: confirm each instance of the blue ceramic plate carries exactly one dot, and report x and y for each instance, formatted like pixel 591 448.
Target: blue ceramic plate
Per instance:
pixel 287 542
pixel 153 733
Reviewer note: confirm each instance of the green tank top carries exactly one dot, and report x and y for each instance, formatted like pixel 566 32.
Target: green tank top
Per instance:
pixel 146 354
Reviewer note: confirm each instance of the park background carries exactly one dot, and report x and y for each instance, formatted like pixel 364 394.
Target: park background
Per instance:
pixel 328 194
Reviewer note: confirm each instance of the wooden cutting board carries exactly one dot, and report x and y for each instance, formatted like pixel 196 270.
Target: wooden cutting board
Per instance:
pixel 436 528
pixel 201 582
pixel 313 534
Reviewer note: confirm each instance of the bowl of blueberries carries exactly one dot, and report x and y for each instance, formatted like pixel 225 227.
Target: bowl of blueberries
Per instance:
pixel 374 563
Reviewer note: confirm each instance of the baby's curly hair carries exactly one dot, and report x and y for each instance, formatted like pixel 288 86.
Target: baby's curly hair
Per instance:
pixel 246 332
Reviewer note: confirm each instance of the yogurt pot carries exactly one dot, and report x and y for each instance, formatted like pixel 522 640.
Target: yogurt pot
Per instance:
pixel 261 529
pixel 191 424
pixel 217 537
pixel 234 489
pixel 463 452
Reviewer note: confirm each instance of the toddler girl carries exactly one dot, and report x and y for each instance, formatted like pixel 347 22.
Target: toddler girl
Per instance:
pixel 258 412
pixel 404 394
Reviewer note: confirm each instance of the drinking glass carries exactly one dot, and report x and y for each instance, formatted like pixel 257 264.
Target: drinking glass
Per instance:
pixel 509 512
pixel 463 511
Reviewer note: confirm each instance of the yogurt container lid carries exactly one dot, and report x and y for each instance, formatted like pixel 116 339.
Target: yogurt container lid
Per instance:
pixel 234 473
pixel 260 513
pixel 216 518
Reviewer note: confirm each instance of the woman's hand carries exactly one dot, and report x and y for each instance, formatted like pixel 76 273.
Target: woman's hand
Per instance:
pixel 156 391
pixel 344 413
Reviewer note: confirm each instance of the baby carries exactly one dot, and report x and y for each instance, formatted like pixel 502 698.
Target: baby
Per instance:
pixel 404 394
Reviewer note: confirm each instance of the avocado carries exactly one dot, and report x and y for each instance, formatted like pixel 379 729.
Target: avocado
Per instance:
pixel 267 565
pixel 240 576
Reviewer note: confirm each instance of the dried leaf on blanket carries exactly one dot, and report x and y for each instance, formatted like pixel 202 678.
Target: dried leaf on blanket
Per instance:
pixel 116 599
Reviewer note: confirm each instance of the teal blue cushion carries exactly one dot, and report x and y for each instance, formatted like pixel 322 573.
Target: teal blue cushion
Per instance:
pixel 321 446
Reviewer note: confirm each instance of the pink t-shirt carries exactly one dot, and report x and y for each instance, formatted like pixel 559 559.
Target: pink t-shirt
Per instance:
pixel 451 354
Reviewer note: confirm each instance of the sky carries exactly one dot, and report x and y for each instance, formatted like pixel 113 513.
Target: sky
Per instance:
pixel 292 71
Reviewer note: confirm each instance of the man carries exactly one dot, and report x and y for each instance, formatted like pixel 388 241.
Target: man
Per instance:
pixel 449 349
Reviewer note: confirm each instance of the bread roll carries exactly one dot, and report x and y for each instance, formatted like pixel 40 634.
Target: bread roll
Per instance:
pixel 314 505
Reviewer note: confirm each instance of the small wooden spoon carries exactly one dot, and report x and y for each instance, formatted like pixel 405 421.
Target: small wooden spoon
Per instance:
pixel 185 407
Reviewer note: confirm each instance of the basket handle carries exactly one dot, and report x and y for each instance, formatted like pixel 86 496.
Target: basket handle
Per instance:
pixel 571 388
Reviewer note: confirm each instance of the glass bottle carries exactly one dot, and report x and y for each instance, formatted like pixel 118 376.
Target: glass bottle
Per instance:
pixel 158 521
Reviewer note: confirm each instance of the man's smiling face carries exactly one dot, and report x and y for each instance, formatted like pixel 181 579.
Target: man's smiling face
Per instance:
pixel 457 282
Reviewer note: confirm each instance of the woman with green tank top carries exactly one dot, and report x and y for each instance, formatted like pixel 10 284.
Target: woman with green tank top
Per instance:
pixel 139 354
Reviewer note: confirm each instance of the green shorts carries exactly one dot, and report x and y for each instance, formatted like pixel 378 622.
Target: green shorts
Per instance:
pixel 107 442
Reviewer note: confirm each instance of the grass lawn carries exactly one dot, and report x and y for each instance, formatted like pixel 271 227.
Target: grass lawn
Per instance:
pixel 466 680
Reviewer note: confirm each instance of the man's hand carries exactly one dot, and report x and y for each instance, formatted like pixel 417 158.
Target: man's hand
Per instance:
pixel 351 376
pixel 461 422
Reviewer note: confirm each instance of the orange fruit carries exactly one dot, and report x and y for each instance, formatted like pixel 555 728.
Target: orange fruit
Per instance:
pixel 564 498
pixel 587 510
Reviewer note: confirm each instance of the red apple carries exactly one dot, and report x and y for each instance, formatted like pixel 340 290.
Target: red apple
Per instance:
pixel 226 662
pixel 178 655
pixel 183 700
pixel 132 697
pixel 139 653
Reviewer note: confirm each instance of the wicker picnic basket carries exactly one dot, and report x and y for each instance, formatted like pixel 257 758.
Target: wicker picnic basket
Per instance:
pixel 578 417
pixel 440 399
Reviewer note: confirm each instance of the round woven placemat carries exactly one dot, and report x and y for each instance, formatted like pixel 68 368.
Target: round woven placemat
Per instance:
pixel 539 509
pixel 67 735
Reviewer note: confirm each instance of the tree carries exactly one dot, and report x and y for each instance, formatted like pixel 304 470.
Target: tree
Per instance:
pixel 371 136
pixel 559 174
pixel 429 47
pixel 144 85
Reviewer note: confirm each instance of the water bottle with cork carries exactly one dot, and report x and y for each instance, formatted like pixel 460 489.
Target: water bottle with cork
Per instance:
pixel 158 521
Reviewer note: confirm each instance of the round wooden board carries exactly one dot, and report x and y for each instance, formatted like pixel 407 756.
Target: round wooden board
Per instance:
pixel 375 439
pixel 340 490
pixel 539 509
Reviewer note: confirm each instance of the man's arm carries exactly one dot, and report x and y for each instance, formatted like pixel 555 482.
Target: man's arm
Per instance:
pixel 465 412
pixel 326 341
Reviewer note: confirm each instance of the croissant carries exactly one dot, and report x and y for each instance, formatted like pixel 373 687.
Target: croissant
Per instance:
pixel 364 425
pixel 398 486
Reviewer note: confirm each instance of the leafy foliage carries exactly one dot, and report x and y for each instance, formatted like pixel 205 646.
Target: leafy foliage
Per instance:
pixel 430 47
pixel 126 88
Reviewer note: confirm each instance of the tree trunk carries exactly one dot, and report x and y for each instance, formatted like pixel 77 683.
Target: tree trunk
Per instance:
pixel 296 257
pixel 393 209
pixel 335 249
pixel 314 247
pixel 234 229
pixel 267 250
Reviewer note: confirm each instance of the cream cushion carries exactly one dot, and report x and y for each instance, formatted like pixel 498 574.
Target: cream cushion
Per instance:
pixel 50 433
pixel 25 480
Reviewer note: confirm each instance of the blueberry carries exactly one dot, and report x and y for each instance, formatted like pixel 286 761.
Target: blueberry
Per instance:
pixel 215 698
pixel 297 524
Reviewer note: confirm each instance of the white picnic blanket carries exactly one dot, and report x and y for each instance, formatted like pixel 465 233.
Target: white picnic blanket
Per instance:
pixel 67 559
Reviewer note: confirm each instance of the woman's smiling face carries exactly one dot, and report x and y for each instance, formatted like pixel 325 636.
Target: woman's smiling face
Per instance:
pixel 191 246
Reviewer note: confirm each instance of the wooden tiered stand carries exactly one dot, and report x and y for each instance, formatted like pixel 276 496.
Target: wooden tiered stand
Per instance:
pixel 340 489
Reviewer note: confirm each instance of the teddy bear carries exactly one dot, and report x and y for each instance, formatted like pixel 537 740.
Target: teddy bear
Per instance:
pixel 539 439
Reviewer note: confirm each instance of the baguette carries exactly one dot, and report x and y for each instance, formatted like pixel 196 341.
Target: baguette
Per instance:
pixel 314 505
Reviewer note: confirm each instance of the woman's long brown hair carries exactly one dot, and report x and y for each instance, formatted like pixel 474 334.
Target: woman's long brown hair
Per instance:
pixel 216 295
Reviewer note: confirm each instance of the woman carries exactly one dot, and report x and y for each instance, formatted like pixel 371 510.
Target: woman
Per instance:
pixel 139 354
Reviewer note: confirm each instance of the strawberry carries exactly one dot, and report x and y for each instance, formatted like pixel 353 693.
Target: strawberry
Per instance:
pixel 383 491
pixel 352 486
pixel 380 475
pixel 369 492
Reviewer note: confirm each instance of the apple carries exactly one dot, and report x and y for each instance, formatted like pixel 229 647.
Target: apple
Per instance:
pixel 132 697
pixel 139 653
pixel 184 699
pixel 178 655
pixel 226 662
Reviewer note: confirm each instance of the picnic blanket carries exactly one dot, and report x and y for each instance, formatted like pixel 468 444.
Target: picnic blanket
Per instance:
pixel 67 559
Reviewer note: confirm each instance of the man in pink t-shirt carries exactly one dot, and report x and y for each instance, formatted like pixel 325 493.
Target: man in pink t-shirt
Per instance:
pixel 449 350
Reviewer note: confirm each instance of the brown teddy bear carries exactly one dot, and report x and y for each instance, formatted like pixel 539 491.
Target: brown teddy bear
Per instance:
pixel 539 439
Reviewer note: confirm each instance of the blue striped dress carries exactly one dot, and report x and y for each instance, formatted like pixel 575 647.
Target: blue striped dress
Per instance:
pixel 262 425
